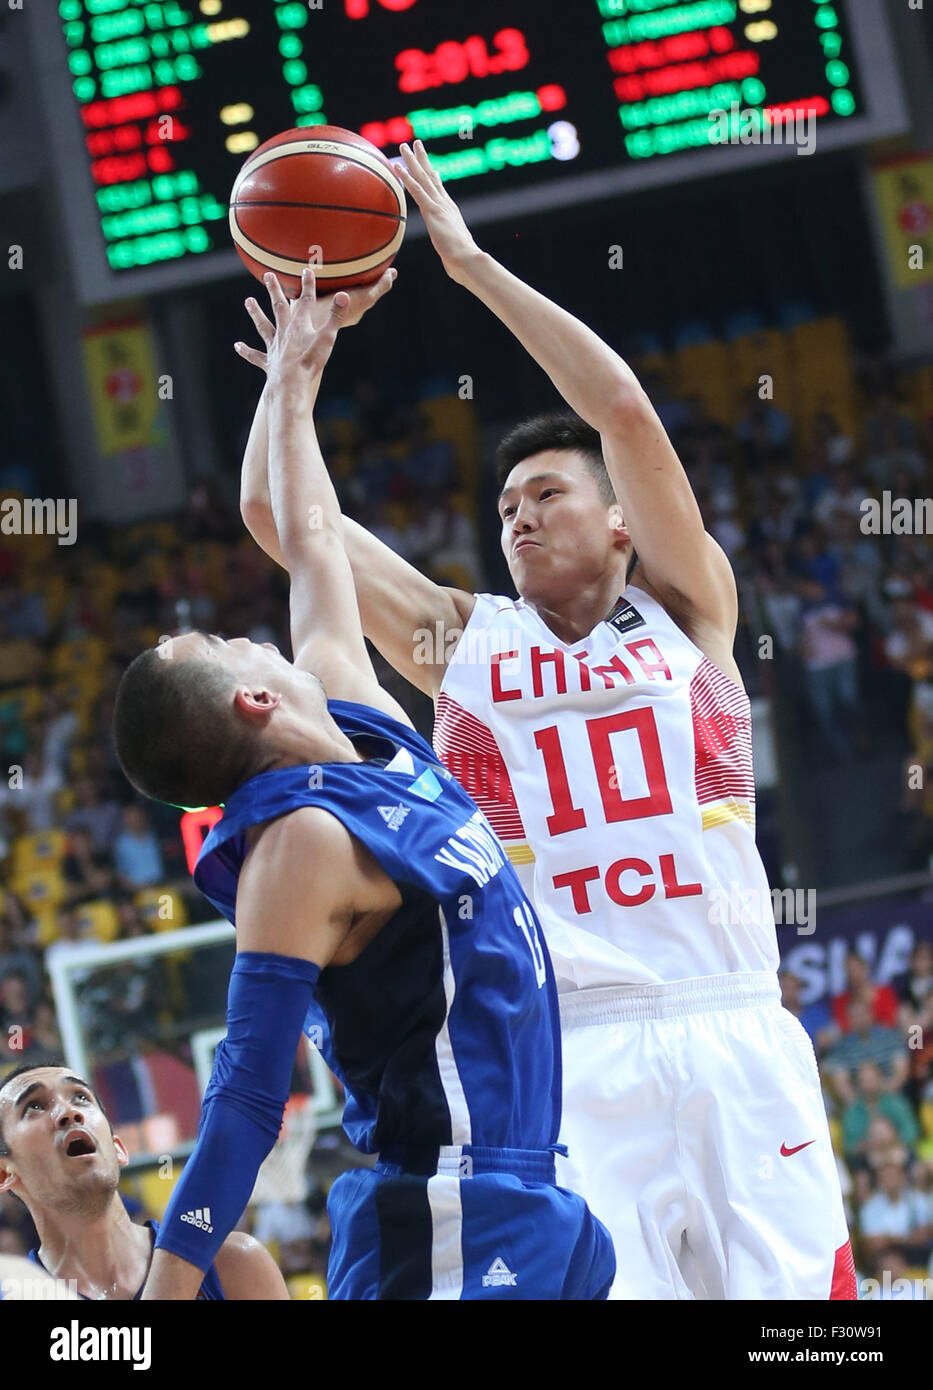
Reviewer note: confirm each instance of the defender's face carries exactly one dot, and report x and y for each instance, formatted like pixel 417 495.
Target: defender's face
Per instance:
pixel 254 665
pixel 62 1153
pixel 556 529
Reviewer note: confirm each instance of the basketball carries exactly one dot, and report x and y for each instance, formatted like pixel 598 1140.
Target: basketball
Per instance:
pixel 325 194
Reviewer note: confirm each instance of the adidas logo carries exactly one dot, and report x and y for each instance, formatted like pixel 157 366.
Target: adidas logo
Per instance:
pixel 394 815
pixel 200 1218
pixel 498 1274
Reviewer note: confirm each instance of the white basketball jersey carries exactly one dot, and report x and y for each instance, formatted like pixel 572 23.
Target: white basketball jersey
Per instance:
pixel 617 770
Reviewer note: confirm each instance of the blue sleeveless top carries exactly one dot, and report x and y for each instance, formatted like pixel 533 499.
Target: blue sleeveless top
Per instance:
pixel 210 1285
pixel 445 1029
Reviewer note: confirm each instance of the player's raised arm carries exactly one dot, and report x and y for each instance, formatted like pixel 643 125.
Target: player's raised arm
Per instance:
pixel 650 483
pixel 327 635
pixel 396 601
pixel 255 503
pixel 294 907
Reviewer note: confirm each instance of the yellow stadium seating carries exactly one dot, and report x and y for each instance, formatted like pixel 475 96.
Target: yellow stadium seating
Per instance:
pixel 307 1287
pixel 38 852
pixel 98 919
pixel 161 909
pixel 763 353
pixel 704 370
pixel 85 654
pixel 39 890
pixel 155 1191
pixel 823 373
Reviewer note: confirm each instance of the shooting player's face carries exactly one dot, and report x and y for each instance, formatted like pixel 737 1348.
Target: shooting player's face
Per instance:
pixel 62 1156
pixel 557 531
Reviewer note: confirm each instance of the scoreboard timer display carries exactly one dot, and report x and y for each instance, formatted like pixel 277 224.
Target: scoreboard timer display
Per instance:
pixel 523 104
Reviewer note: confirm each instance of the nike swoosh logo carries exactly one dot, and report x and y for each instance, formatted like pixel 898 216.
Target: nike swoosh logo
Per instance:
pixel 786 1152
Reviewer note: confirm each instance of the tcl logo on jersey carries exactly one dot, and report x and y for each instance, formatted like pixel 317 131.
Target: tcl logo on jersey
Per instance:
pixel 640 883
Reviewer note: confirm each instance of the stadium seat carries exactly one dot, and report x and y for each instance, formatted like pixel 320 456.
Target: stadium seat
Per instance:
pixel 154 1190
pixel 705 370
pixel 98 919
pixel 85 654
pixel 161 909
pixel 40 890
pixel 762 353
pixel 823 372
pixel 37 852
pixel 306 1287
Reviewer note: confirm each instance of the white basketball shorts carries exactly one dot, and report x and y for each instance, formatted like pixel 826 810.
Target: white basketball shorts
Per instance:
pixel 697 1134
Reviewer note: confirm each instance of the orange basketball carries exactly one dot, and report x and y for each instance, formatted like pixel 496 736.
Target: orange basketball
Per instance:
pixel 318 192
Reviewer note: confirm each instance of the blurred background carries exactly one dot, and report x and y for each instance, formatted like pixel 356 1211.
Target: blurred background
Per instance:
pixel 771 284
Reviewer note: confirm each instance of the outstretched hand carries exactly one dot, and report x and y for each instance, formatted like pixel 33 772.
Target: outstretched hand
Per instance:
pixel 450 235
pixel 303 333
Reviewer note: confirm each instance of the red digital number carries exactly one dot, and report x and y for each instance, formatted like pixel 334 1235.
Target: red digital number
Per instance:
pixel 415 68
pixel 513 51
pixel 454 62
pixel 359 9
pixel 616 807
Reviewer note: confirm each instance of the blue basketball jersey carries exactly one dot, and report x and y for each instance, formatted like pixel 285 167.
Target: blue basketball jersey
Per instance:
pixel 445 1029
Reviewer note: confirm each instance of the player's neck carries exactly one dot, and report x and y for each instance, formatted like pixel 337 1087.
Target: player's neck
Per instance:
pixel 107 1256
pixel 312 741
pixel 574 617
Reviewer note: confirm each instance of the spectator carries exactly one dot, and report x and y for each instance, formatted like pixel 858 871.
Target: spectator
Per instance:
pixel 16 1016
pixel 136 854
pixel 15 954
pixel 764 429
pixel 87 872
pixel 815 1018
pixel 918 987
pixel 873 1103
pixel 830 667
pixel 881 998
pixel 842 499
pixel 897 1215
pixel 32 793
pixel 100 817
pixel 866 1042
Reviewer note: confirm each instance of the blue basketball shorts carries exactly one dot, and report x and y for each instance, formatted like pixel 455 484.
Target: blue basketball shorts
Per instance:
pixel 481 1223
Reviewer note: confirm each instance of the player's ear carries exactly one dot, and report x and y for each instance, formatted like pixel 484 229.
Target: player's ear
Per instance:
pixel 7 1176
pixel 120 1150
pixel 256 703
pixel 617 524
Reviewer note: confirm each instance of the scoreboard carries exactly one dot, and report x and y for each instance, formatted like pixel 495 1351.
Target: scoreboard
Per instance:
pixel 523 104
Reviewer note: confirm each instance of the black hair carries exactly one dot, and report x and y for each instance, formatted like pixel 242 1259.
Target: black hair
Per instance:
pixel 41 1062
pixel 559 429
pixel 555 430
pixel 176 735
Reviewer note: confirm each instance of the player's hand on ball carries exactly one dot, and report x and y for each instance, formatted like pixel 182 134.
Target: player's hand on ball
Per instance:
pixel 297 346
pixel 362 298
pixel 450 235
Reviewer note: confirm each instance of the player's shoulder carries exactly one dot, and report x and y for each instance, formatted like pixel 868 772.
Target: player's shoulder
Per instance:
pixel 301 838
pixel 246 1270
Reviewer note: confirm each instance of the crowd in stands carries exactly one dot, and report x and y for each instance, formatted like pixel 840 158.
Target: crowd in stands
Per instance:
pixel 875 1049
pixel 847 614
